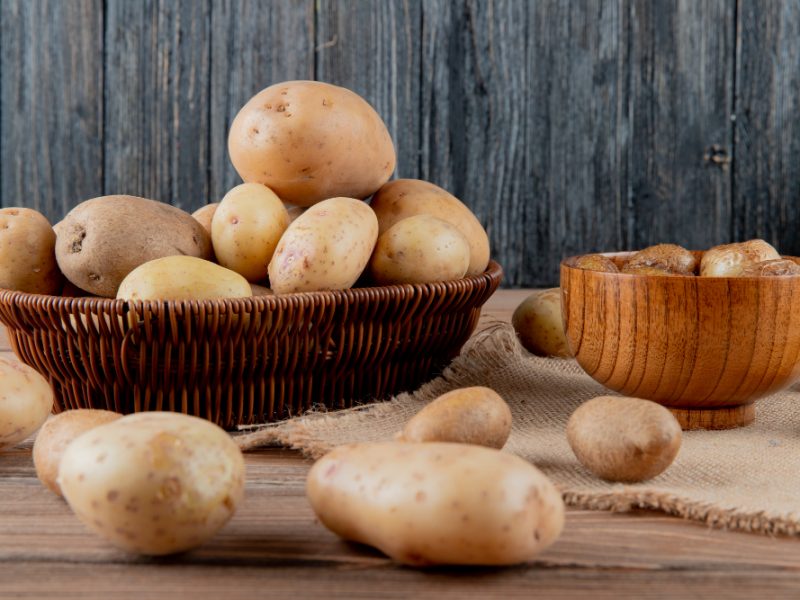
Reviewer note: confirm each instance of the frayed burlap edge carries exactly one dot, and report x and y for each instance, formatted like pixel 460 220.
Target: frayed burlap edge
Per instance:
pixel 490 349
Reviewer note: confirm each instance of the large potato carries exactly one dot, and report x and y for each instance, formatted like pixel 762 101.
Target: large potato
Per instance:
pixel 309 141
pixel 539 324
pixel 101 240
pixel 246 228
pixel 437 503
pixel 403 198
pixel 420 249
pixel 325 248
pixel 153 483
pixel 27 252
pixel 58 433
pixel 182 278
pixel 25 401
pixel 729 260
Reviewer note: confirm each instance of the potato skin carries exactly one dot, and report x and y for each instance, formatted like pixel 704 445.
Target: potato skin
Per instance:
pixel 57 433
pixel 246 229
pixel 403 198
pixel 420 249
pixel 101 240
pixel 153 483
pixel 325 248
pixel 27 252
pixel 539 325
pixel 596 262
pixel 182 278
pixel 771 268
pixel 309 141
pixel 25 401
pixel 662 259
pixel 205 214
pixel 473 415
pixel 729 260
pixel 624 439
pixel 437 503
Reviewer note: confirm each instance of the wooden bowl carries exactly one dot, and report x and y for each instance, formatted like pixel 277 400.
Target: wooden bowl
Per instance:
pixel 704 347
pixel 245 360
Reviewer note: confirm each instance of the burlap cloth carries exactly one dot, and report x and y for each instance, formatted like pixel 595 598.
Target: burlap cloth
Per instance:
pixel 746 479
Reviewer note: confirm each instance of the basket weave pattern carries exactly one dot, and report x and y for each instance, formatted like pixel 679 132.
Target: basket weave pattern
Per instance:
pixel 244 360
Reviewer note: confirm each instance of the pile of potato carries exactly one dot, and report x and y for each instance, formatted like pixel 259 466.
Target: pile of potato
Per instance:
pixel 310 153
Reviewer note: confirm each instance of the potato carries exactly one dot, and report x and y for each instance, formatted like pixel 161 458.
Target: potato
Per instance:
pixel 624 439
pixel 662 259
pixel 182 278
pixel 437 503
pixel 473 415
pixel 25 401
pixel 309 141
pixel 153 483
pixel 57 433
pixel 27 252
pixel 101 240
pixel 729 260
pixel 246 228
pixel 403 198
pixel 260 290
pixel 771 268
pixel 538 323
pixel 205 214
pixel 420 249
pixel 596 262
pixel 325 248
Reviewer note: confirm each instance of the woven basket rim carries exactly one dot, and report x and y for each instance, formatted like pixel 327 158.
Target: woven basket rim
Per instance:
pixel 493 272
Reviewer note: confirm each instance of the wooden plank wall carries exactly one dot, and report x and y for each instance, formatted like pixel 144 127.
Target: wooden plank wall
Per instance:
pixel 567 126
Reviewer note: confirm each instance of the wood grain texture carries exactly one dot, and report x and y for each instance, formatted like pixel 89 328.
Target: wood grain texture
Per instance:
pixel 51 101
pixel 373 48
pixel 682 65
pixel 767 172
pixel 156 100
pixel 254 43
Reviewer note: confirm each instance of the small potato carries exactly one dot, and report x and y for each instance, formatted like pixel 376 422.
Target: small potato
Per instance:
pixel 153 483
pixel 182 278
pixel 205 214
pixel 437 503
pixel 667 259
pixel 474 415
pixel 729 260
pixel 260 290
pixel 25 401
pixel 771 268
pixel 420 249
pixel 404 198
pixel 27 252
pixel 325 248
pixel 624 439
pixel 596 262
pixel 538 323
pixel 246 228
pixel 57 433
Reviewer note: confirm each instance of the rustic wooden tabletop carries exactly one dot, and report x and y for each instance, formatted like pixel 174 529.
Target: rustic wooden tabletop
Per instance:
pixel 274 547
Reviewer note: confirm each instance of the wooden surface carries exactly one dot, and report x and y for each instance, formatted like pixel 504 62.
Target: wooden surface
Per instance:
pixel 567 126
pixel 274 547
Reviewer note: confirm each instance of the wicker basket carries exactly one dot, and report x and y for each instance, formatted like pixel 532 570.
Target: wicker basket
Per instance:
pixel 245 360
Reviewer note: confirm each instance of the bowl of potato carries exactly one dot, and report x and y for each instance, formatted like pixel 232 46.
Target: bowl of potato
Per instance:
pixel 702 333
pixel 316 282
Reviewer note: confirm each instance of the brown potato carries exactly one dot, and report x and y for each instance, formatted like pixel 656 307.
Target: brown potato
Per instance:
pixel 474 415
pixel 729 260
pixel 101 240
pixel 771 268
pixel 57 433
pixel 27 252
pixel 538 323
pixel 309 141
pixel 665 258
pixel 648 270
pixel 403 198
pixel 596 262
pixel 624 439
pixel 205 214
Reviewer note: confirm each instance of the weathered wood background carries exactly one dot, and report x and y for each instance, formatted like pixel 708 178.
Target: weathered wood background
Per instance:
pixel 568 126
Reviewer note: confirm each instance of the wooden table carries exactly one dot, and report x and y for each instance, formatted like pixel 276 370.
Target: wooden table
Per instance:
pixel 274 547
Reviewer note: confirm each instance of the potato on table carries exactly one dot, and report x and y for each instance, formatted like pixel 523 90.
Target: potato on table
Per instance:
pixel 539 325
pixel 25 401
pixel 27 252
